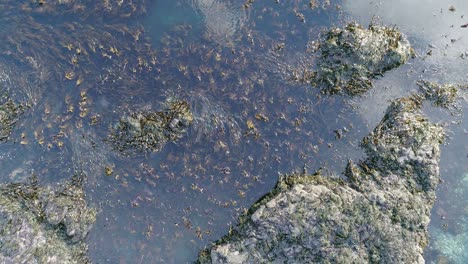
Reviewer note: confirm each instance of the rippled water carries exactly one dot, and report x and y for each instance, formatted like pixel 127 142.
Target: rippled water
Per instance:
pixel 233 65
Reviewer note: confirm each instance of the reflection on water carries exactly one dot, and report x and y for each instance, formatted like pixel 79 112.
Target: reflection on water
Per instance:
pixel 217 20
pixel 222 19
pixel 167 14
pixel 251 122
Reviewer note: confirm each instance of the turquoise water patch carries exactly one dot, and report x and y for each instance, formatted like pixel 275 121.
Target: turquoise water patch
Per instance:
pixel 166 15
pixel 449 228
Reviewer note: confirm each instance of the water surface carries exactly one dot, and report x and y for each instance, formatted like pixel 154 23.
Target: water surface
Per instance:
pixel 233 64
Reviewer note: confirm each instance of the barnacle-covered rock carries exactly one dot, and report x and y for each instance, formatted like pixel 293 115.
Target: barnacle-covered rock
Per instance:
pixel 350 58
pixel 378 213
pixel 150 131
pixel 404 144
pixel 42 225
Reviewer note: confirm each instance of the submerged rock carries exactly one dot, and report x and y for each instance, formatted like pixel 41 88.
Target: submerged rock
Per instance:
pixel 450 240
pixel 9 114
pixel 349 58
pixel 377 213
pixel 150 131
pixel 41 225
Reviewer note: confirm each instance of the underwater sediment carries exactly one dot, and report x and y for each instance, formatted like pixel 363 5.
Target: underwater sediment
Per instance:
pixel 378 211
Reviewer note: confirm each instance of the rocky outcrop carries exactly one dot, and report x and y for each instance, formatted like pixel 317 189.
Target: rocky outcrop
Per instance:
pixel 150 131
pixel 350 58
pixel 377 212
pixel 42 225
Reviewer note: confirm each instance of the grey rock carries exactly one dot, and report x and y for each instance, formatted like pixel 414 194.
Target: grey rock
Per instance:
pixel 42 225
pixel 377 212
pixel 350 58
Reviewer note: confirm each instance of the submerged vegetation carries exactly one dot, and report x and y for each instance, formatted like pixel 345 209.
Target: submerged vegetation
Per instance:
pixel 451 241
pixel 150 131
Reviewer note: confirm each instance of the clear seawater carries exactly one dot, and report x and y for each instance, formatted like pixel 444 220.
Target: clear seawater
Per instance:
pixel 164 207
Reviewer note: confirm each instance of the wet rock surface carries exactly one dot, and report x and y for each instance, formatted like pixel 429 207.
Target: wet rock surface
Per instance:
pixel 42 225
pixel 150 131
pixel 378 212
pixel 350 58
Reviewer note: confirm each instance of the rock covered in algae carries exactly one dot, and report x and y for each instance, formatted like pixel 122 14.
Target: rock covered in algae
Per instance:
pixel 377 213
pixel 9 114
pixel 150 131
pixel 349 58
pixel 41 225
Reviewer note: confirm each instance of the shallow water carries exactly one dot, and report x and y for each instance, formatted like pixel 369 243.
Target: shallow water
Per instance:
pixel 164 207
pixel 435 30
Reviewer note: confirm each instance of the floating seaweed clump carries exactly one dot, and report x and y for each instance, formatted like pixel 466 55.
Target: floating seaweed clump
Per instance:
pixel 349 58
pixel 441 95
pixel 150 131
pixel 378 212
pixel 41 225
